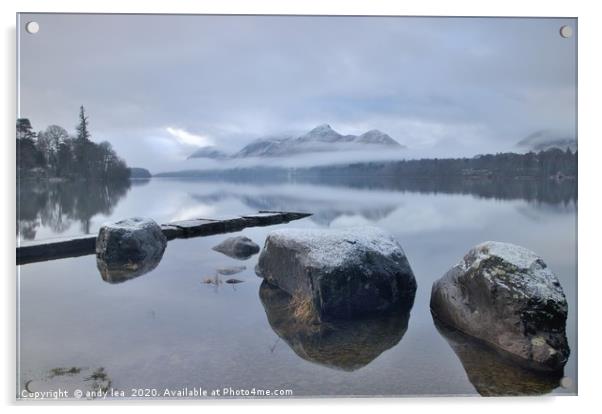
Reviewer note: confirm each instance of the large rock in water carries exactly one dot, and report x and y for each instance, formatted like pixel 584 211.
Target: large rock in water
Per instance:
pixel 343 273
pixel 129 248
pixel 506 296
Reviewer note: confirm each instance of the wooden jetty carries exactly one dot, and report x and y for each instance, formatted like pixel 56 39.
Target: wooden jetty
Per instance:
pixel 52 249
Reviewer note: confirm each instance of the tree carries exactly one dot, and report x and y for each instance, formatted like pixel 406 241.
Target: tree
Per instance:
pixel 81 145
pixel 55 154
pixel 82 127
pixel 64 160
pixel 28 155
pixel 48 144
pixel 24 129
pixel 55 135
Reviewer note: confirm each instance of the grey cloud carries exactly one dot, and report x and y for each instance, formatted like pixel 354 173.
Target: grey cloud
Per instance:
pixel 441 86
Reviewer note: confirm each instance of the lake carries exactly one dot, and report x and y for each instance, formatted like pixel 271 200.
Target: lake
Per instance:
pixel 168 330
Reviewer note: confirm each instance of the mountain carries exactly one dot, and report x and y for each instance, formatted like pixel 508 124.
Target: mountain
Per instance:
pixel 264 147
pixel 320 139
pixel 209 152
pixel 544 140
pixel 374 136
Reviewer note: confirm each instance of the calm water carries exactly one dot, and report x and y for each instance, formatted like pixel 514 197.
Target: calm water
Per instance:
pixel 166 329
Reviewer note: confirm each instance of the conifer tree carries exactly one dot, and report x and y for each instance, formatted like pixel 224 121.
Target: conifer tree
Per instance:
pixel 82 127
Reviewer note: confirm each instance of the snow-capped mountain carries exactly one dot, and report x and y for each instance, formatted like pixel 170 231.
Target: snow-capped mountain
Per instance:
pixel 321 138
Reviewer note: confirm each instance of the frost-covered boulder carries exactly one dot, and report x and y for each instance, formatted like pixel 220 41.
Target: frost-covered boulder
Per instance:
pixel 239 247
pixel 129 247
pixel 506 296
pixel 340 273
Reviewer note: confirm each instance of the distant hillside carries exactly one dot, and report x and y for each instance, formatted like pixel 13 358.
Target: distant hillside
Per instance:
pixel 544 140
pixel 209 152
pixel 139 173
pixel 553 163
pixel 320 139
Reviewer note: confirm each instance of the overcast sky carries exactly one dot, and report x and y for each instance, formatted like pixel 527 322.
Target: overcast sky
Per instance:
pixel 156 87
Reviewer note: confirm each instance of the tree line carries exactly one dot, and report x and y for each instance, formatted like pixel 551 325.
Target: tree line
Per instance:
pixel 53 153
pixel 552 163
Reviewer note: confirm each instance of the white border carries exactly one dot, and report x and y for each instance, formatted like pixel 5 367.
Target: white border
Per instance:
pixel 590 71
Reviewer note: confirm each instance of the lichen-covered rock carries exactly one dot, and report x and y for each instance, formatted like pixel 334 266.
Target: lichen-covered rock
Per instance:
pixel 346 273
pixel 347 345
pixel 239 247
pixel 506 295
pixel 129 248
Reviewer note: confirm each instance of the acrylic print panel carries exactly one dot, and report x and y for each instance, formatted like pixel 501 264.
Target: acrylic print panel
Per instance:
pixel 295 206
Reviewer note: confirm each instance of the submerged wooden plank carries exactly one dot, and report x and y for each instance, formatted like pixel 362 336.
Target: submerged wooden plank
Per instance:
pixel 56 249
pixel 83 245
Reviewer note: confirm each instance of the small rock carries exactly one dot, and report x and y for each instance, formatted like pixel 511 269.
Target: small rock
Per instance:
pixel 213 280
pixel 239 247
pixel 346 273
pixel 506 296
pixel 227 271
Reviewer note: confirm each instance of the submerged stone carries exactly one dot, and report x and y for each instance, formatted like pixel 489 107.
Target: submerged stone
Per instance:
pixel 343 273
pixel 506 296
pixel 232 270
pixel 343 344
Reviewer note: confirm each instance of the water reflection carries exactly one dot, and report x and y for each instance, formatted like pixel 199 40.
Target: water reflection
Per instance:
pixel 493 374
pixel 57 205
pixel 119 272
pixel 336 198
pixel 344 345
pixel 49 209
pixel 548 191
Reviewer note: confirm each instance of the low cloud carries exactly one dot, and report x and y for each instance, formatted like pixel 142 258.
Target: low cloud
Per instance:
pixel 186 138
